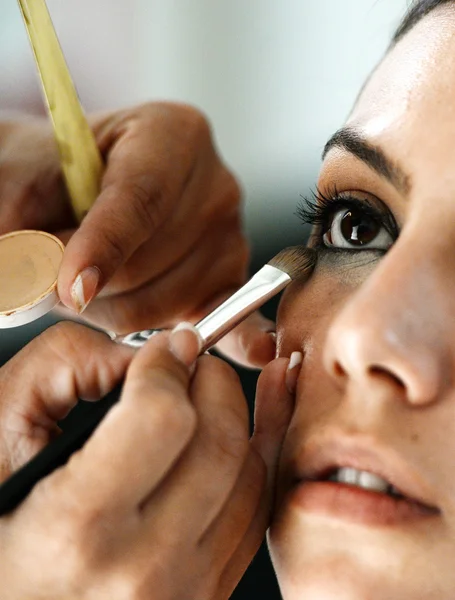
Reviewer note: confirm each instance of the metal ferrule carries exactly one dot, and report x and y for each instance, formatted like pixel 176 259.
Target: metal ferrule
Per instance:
pixel 136 339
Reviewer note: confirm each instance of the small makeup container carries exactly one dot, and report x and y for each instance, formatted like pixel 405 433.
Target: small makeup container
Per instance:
pixel 29 265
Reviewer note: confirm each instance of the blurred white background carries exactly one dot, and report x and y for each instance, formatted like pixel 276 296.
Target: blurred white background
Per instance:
pixel 275 78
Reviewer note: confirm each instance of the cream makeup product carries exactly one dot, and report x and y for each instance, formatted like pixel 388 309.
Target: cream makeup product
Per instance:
pixel 29 264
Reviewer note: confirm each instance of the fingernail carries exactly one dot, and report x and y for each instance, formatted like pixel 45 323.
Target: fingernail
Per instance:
pixel 185 343
pixel 84 288
pixel 293 371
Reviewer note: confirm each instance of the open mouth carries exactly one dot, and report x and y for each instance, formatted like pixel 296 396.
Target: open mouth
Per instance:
pixel 359 496
pixel 360 481
pixel 363 479
pixel 370 482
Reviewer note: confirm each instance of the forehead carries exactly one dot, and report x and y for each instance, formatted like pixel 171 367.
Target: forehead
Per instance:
pixel 409 100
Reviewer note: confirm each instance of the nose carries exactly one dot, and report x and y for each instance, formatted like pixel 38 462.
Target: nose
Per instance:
pixel 395 331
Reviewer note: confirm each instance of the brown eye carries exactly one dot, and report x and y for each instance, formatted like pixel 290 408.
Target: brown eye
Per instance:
pixel 352 228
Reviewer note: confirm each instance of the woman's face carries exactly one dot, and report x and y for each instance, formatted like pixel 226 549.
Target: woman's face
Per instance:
pixel 375 404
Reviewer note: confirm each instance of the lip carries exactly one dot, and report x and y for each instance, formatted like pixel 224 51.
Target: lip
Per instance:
pixel 321 455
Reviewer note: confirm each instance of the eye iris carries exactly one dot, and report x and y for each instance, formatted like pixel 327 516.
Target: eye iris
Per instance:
pixel 358 229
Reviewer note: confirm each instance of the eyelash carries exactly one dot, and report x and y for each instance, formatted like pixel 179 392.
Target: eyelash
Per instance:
pixel 320 208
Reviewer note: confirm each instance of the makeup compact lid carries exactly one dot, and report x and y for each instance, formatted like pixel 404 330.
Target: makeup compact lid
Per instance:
pixel 29 264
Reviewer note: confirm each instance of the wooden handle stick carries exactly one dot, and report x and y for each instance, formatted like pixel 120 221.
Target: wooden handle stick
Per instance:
pixel 80 158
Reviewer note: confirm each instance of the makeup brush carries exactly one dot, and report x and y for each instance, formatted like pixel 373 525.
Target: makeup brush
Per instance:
pixel 294 263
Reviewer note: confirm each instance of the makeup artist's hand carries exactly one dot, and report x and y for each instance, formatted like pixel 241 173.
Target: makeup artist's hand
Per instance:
pixel 169 498
pixel 43 382
pixel 163 241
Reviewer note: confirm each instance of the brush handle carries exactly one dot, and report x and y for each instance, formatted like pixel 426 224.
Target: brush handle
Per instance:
pixel 80 158
pixel 56 454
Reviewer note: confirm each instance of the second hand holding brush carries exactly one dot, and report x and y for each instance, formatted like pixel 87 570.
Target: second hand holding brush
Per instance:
pixel 294 263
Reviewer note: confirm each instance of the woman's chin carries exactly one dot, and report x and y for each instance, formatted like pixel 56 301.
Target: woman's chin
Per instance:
pixel 320 560
pixel 333 577
pixel 324 584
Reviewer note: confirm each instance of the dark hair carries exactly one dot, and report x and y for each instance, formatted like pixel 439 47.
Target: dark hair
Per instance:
pixel 418 10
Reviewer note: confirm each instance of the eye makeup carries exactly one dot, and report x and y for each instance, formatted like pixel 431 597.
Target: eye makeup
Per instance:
pixel 344 222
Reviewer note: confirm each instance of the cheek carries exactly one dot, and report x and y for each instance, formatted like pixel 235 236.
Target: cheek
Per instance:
pixel 305 315
pixel 306 309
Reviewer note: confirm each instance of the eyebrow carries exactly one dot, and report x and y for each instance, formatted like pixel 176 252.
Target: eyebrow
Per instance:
pixel 349 139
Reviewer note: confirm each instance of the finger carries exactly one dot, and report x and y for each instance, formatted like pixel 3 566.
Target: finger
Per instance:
pixel 254 491
pixel 32 191
pixel 140 438
pixel 274 407
pixel 205 476
pixel 138 194
pixel 232 534
pixel 209 202
pixel 252 343
pixel 178 294
pixel 43 382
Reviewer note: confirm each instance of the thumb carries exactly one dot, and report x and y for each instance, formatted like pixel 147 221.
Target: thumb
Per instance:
pixel 273 410
pixel 43 382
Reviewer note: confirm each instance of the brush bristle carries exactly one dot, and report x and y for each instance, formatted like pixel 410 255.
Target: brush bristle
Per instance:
pixel 296 261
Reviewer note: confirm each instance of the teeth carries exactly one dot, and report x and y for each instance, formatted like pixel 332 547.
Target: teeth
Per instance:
pixel 362 479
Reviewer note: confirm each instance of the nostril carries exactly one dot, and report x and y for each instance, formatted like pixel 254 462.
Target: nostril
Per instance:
pixel 373 372
pixel 383 373
pixel 338 370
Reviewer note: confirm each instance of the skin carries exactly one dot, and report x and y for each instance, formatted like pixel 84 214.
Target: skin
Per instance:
pixel 377 333
pixel 167 205
pixel 113 522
